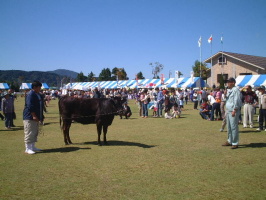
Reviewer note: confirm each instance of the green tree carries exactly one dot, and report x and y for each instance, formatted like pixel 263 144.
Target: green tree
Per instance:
pixel 91 77
pixel 21 79
pixel 120 72
pixel 200 68
pixel 13 85
pixel 105 75
pixel 140 75
pixel 81 77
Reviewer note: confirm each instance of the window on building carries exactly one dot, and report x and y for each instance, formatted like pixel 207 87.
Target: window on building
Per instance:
pixel 222 60
pixel 245 73
pixel 222 78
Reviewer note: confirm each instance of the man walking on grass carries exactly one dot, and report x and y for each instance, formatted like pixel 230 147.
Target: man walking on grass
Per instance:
pixel 233 105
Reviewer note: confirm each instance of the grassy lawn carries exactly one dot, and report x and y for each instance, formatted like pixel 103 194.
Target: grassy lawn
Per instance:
pixel 153 158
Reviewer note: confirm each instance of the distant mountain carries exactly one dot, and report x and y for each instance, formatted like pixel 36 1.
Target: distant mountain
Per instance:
pixel 16 77
pixel 65 72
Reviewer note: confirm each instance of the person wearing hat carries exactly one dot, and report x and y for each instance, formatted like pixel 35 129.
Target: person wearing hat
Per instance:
pixel 262 107
pixel 8 109
pixel 249 98
pixel 32 117
pixel 233 105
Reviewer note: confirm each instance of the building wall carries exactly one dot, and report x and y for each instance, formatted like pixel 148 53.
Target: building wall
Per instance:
pixel 232 67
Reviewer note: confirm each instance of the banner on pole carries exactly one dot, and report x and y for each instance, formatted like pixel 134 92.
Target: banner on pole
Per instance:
pixel 137 80
pixel 199 42
pixel 192 76
pixel 162 79
pixel 176 77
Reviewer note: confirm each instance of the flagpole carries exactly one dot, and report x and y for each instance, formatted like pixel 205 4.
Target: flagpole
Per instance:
pixel 211 64
pixel 200 57
pixel 222 55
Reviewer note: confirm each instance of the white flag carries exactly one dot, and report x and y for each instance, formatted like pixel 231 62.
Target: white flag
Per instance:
pixel 210 39
pixel 199 41
pixel 176 76
pixel 191 76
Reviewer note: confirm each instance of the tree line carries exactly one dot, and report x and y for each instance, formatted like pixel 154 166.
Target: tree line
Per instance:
pixel 199 69
pixel 107 75
pixel 16 77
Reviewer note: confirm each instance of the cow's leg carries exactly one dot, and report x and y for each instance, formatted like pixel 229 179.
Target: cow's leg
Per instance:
pixel 99 131
pixel 68 137
pixel 105 128
pixel 65 130
pixel 66 127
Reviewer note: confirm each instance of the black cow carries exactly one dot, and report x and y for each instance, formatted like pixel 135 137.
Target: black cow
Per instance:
pixel 88 111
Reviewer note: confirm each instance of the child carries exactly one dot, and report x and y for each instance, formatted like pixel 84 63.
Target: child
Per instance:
pixel 155 108
pixel 167 114
pixel 176 111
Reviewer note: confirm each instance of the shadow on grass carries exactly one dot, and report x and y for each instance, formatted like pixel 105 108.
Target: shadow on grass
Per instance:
pixel 63 150
pixel 17 128
pixel 51 123
pixel 249 131
pixel 130 118
pixel 253 145
pixel 121 143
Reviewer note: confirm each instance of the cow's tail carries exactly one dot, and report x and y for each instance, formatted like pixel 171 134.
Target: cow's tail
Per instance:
pixel 60 115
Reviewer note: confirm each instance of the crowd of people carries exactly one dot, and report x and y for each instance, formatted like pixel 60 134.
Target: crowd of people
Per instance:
pixel 213 108
pixel 216 104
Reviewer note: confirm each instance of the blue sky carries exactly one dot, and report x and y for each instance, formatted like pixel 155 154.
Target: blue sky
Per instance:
pixel 89 35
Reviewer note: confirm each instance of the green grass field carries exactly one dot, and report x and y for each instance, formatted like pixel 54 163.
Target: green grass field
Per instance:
pixel 147 159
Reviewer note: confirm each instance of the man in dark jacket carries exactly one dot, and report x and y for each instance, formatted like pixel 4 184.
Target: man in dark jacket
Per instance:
pixel 8 109
pixel 32 117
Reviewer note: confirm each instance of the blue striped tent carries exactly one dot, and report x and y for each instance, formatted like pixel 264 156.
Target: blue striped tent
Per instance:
pixel 253 80
pixel 142 83
pixel 186 82
pixel 4 86
pixel 45 86
pixel 27 86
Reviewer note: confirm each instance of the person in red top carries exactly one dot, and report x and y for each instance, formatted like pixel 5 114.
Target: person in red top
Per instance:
pixel 205 110
pixel 249 100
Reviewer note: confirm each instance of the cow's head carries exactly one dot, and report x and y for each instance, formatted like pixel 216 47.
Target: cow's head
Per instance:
pixel 118 103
